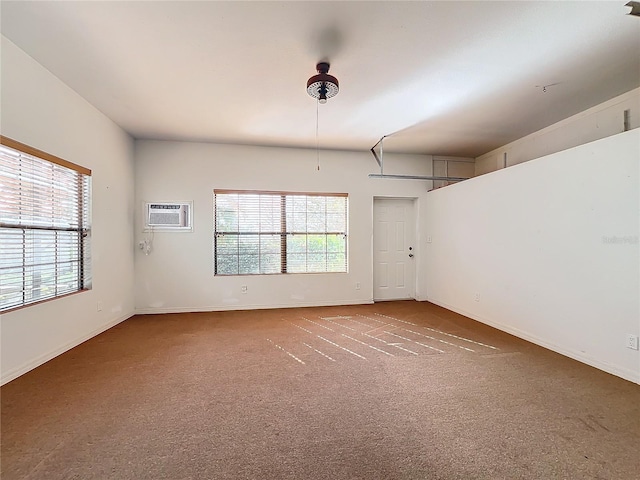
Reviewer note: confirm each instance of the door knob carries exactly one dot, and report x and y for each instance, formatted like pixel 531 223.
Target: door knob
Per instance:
pixel 411 255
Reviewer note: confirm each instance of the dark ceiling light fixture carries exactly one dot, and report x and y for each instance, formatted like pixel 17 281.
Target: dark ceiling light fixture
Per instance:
pixel 635 8
pixel 323 85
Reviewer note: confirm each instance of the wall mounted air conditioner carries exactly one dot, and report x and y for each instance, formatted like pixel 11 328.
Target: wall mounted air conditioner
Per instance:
pixel 168 216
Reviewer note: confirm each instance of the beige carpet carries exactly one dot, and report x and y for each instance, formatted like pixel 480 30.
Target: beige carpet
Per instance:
pixel 394 390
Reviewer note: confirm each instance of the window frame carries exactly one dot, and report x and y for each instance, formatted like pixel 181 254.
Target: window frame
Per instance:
pixel 77 251
pixel 283 231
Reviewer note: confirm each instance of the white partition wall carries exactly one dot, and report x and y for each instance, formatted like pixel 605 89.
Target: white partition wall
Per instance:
pixel 547 250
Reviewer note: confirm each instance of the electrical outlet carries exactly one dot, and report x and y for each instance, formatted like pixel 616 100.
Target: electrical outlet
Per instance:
pixel 243 289
pixel 357 285
pixel 632 342
pixel 99 306
pixel 476 297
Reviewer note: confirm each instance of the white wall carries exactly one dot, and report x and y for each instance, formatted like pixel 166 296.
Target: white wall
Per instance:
pixel 595 123
pixel 551 247
pixel 178 274
pixel 40 111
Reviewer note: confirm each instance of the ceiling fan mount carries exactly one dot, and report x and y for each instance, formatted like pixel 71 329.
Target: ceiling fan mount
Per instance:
pixel 322 85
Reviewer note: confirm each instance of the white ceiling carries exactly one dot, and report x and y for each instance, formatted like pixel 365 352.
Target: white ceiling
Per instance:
pixel 446 78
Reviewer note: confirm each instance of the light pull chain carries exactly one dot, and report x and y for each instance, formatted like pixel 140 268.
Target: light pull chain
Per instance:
pixel 317 138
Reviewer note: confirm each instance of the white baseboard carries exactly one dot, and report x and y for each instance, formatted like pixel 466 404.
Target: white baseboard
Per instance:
pixel 624 373
pixel 36 362
pixel 222 308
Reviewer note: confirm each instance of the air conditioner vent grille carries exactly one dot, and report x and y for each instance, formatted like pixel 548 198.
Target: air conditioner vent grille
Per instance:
pixel 164 218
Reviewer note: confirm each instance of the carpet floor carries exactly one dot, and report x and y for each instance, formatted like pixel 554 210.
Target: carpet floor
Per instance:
pixel 393 390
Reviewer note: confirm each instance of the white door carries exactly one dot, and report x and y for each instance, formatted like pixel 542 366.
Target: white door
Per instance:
pixel 393 249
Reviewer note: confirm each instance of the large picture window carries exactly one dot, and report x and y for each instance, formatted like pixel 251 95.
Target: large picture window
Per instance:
pixel 44 226
pixel 279 232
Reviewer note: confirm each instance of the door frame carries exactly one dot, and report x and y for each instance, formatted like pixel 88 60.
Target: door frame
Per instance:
pixel 414 201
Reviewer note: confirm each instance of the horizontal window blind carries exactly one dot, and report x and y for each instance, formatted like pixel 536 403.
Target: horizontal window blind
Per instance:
pixel 279 232
pixel 44 226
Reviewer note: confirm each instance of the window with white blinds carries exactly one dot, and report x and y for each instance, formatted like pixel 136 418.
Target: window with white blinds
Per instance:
pixel 279 232
pixel 44 226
